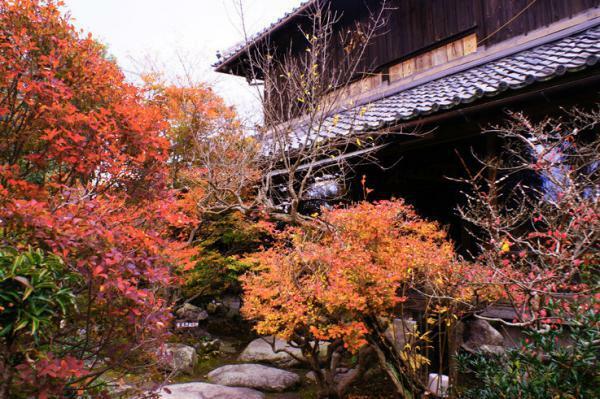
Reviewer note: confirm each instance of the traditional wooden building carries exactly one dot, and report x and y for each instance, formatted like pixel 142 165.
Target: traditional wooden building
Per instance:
pixel 449 69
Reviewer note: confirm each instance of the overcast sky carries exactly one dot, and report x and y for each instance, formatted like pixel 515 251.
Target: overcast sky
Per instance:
pixel 163 30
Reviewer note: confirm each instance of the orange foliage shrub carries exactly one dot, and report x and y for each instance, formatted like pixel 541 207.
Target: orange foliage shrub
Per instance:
pixel 338 284
pixel 364 264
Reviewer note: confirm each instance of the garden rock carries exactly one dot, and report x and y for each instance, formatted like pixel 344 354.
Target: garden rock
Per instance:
pixel 254 376
pixel 400 332
pixel 342 375
pixel 201 390
pixel 492 349
pixel 178 357
pixel 189 312
pixel 261 350
pixel 213 307
pixel 228 347
pixel 232 305
pixel 480 336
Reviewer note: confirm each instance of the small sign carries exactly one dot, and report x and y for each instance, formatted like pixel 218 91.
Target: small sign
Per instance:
pixel 186 324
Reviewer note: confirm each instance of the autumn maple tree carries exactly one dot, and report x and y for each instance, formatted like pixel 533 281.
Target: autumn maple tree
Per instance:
pixel 213 164
pixel 340 285
pixel 209 150
pixel 83 171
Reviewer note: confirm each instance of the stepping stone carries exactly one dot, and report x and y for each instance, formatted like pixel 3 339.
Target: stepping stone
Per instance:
pixel 254 376
pixel 201 390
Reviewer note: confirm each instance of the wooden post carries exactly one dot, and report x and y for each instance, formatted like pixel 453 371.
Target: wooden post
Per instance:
pixel 455 336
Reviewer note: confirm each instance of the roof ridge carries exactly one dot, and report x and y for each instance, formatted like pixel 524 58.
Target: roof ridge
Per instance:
pixel 237 48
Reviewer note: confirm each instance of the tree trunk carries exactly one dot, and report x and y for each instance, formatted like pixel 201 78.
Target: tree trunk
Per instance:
pixel 364 357
pixel 396 376
pixel 454 338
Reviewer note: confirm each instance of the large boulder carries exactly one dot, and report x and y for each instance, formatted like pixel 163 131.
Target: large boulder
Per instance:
pixel 284 355
pixel 480 336
pixel 201 390
pixel 492 349
pixel 261 350
pixel 191 313
pixel 401 332
pixel 254 376
pixel 178 357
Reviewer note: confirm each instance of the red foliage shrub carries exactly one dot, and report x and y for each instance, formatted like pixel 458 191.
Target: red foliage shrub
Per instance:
pixel 82 174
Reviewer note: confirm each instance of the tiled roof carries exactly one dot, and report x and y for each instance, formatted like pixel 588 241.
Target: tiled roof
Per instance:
pixel 243 45
pixel 513 72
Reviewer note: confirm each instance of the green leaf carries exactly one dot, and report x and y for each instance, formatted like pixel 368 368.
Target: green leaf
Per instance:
pixel 21 325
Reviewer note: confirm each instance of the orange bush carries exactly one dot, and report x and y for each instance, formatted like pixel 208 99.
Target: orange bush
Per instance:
pixel 340 282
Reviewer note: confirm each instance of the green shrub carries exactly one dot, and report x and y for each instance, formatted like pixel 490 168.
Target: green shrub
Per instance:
pixel 36 294
pixel 223 243
pixel 35 291
pixel 552 363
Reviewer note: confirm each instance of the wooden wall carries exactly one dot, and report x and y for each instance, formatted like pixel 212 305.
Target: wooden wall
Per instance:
pixel 495 13
pixel 415 25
